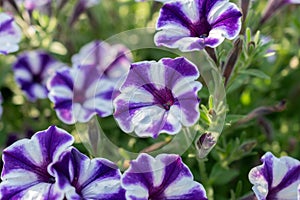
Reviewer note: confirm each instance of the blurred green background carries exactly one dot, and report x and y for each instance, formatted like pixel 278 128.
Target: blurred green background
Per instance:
pixel 265 75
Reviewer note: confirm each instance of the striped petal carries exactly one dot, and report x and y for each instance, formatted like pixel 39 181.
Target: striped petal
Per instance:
pixel 10 34
pixel 162 177
pixel 194 24
pixel 79 93
pixel 25 172
pixel 82 178
pixel 276 178
pixel 112 61
pixel 158 97
pixel 32 71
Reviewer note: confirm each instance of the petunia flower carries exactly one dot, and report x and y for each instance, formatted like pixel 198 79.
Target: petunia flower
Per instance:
pixel 25 174
pixel 112 61
pixel 79 93
pixel 276 178
pixel 10 34
pixel 32 70
pixel 162 177
pixel 195 24
pixel 82 178
pixel 158 97
pixel 86 90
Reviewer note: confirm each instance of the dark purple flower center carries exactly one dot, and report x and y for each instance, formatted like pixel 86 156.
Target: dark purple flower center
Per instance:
pixel 44 176
pixel 163 97
pixel 200 29
pixel 36 78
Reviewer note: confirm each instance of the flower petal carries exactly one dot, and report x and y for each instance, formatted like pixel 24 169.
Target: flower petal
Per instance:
pixel 276 178
pixel 191 25
pixel 32 70
pixel 26 162
pixel 157 178
pixel 79 94
pixel 111 60
pixel 10 34
pixel 158 97
pixel 225 18
pixel 82 178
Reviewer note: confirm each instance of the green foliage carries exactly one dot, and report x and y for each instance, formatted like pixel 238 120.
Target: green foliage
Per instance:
pixel 256 81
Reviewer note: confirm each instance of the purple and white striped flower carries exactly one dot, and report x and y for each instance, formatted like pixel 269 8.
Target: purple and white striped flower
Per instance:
pixel 195 24
pixel 86 90
pixel 82 178
pixel 32 70
pixel 79 93
pixel 113 61
pixel 276 178
pixel 10 34
pixel 158 97
pixel 162 177
pixel 26 174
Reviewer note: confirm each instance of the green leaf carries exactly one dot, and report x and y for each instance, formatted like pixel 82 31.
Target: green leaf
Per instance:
pixel 221 176
pixel 256 73
pixel 256 37
pixel 248 35
pixel 211 102
pixel 203 117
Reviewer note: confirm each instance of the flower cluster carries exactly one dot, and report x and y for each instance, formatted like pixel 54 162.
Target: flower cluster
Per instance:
pixel 147 98
pixel 47 167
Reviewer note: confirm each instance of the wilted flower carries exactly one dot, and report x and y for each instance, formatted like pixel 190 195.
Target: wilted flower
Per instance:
pixel 158 97
pixel 194 24
pixel 79 93
pixel 32 70
pixel 276 178
pixel 82 178
pixel 10 34
pixel 163 177
pixel 112 61
pixel 25 174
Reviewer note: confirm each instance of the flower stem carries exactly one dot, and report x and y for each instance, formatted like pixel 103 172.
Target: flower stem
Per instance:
pixel 212 54
pixel 232 59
